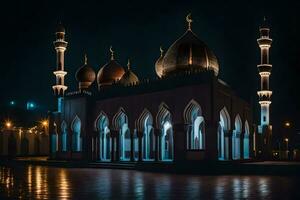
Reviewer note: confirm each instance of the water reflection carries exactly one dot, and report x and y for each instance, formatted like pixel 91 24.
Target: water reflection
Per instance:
pixel 37 182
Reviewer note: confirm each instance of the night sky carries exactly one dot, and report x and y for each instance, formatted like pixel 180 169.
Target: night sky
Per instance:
pixel 136 30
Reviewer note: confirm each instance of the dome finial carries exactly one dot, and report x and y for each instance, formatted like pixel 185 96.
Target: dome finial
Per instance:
pixel 85 59
pixel 161 51
pixel 128 64
pixel 189 20
pixel 112 53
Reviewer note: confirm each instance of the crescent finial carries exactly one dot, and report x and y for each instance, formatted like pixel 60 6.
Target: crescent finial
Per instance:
pixel 189 20
pixel 112 53
pixel 128 64
pixel 85 59
pixel 161 51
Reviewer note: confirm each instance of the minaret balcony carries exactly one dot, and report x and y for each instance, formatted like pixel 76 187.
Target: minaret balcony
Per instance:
pixel 60 73
pixel 264 42
pixel 264 68
pixel 265 103
pixel 60 44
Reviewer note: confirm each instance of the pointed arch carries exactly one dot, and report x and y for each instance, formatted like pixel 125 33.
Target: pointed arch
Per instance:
pixel 76 123
pixel 192 108
pixel 120 123
pixel 246 141
pixel 225 119
pixel 104 139
pixel 166 141
pixel 145 126
pixel 101 118
pixel 236 138
pixel 223 128
pixel 163 112
pixel 64 135
pixel 139 124
pixel 120 115
pixel 238 123
pixel 76 138
pixel 195 133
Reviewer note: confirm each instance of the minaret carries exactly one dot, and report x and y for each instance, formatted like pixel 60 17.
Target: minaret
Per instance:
pixel 60 46
pixel 264 94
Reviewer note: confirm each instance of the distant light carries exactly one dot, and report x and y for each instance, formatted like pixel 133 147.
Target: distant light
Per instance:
pixel 31 105
pixel 12 103
pixel 287 124
pixel 286 139
pixel 8 124
pixel 45 123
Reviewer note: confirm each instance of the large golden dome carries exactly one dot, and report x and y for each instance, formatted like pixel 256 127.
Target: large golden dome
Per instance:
pixel 188 53
pixel 111 72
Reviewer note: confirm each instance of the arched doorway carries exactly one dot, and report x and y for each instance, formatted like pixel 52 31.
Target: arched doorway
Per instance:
pixel 76 137
pixel 223 142
pixel 104 136
pixel 196 126
pixel 246 141
pixel 236 138
pixel 64 136
pixel 166 134
pixel 121 124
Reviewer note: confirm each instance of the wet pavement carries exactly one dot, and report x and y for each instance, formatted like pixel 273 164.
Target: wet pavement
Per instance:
pixel 42 182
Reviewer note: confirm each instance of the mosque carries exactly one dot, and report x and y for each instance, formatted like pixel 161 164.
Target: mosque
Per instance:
pixel 184 113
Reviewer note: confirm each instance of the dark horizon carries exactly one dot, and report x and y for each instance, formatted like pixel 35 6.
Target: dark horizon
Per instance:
pixel 136 30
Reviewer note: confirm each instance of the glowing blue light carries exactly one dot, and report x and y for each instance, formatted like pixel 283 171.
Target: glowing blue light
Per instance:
pixel 12 103
pixel 30 105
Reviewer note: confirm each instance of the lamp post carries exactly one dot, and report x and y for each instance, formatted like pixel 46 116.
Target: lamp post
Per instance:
pixel 45 126
pixel 287 147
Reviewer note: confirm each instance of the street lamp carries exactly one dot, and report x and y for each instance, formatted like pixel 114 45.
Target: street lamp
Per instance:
pixel 8 124
pixel 45 123
pixel 287 143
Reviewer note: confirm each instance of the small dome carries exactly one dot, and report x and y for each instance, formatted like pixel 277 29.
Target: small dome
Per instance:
pixel 189 52
pixel 159 64
pixel 85 73
pixel 129 78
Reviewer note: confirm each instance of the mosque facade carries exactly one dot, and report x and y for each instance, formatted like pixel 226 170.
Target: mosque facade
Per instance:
pixel 184 113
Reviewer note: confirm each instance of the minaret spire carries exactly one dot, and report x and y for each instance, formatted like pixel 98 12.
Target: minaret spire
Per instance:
pixel 60 46
pixel 264 94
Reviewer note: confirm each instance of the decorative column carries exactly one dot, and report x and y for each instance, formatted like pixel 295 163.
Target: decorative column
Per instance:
pixel 140 138
pixel 211 140
pixel 157 146
pixel 113 136
pixel 179 142
pixel 228 135
pixel 132 147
